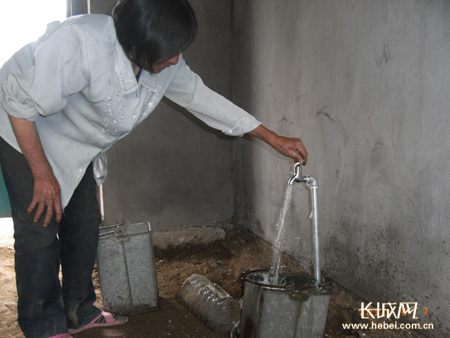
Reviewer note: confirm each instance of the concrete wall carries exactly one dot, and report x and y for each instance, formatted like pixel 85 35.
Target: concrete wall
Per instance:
pixel 173 170
pixel 366 85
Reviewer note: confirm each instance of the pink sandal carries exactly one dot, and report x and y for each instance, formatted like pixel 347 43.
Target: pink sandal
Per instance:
pixel 104 319
pixel 62 335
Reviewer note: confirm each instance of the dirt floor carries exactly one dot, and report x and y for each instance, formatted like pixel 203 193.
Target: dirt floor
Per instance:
pixel 222 262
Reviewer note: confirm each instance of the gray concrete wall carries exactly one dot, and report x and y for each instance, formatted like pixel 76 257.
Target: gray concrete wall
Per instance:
pixel 172 170
pixel 366 85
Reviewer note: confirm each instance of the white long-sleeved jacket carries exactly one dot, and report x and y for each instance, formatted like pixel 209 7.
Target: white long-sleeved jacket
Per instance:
pixel 79 87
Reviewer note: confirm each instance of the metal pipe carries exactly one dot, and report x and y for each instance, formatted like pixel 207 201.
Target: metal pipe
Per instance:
pixel 312 184
pixel 101 201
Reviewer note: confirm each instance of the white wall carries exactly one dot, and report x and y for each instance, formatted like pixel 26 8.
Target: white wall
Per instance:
pixel 366 85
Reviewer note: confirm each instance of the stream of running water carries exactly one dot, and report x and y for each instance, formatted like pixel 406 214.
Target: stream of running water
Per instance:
pixel 273 276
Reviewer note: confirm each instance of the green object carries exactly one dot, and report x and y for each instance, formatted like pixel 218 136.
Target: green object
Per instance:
pixel 5 207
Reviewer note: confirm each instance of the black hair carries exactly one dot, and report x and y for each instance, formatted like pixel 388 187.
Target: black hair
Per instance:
pixel 152 31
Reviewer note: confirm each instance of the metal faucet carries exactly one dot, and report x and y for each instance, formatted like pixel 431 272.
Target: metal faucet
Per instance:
pixel 312 184
pixel 297 174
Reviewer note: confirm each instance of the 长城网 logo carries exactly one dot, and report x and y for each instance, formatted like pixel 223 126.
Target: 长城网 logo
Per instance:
pixel 391 310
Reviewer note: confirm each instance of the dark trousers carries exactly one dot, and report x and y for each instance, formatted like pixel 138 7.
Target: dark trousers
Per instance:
pixel 47 307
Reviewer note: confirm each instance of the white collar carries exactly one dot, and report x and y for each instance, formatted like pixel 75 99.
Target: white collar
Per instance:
pixel 127 79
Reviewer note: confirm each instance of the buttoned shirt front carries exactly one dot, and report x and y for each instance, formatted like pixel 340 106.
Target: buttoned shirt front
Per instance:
pixel 79 87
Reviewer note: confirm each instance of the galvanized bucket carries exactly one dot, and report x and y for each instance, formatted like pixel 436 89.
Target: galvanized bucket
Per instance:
pixel 290 310
pixel 126 268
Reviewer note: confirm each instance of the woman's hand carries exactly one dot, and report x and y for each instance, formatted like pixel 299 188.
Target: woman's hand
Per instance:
pixel 46 188
pixel 46 194
pixel 290 147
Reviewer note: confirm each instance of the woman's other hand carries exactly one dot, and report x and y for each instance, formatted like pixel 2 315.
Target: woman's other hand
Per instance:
pixel 46 188
pixel 46 194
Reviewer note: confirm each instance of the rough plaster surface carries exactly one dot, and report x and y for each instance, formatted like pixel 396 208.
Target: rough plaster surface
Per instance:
pixel 199 235
pixel 172 170
pixel 365 84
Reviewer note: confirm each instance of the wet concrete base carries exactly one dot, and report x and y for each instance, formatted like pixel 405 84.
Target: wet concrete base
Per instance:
pixel 171 320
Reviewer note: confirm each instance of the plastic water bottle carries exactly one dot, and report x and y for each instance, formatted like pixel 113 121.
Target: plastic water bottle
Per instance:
pixel 210 303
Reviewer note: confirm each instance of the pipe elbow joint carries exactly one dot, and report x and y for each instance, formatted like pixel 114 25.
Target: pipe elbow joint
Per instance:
pixel 311 182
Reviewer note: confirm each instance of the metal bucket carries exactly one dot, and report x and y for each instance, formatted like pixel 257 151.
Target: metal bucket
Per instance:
pixel 126 268
pixel 290 310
